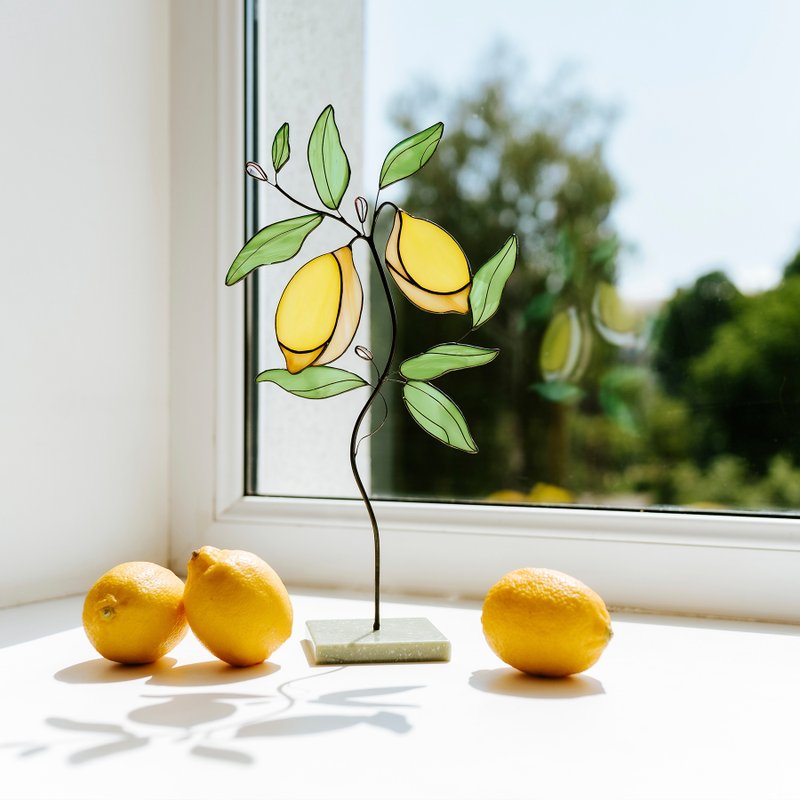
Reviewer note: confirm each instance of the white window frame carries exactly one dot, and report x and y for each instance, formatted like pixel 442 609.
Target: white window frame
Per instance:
pixel 706 564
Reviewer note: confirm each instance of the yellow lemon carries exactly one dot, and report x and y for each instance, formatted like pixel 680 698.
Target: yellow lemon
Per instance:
pixel 134 613
pixel 319 310
pixel 236 605
pixel 428 265
pixel 544 622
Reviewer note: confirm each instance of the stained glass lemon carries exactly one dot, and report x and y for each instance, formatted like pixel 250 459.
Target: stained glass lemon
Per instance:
pixel 563 351
pixel 428 265
pixel 319 310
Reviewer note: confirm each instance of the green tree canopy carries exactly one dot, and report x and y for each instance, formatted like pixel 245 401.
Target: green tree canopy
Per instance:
pixel 747 382
pixel 792 268
pixel 687 326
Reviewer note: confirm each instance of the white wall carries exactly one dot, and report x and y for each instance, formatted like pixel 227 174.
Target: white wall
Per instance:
pixel 84 269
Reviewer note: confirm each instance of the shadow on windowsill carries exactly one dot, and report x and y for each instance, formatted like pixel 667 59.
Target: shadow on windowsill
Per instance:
pixel 211 673
pixel 509 681
pixel 100 670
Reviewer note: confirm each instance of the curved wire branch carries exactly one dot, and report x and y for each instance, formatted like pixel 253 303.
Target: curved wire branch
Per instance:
pixel 354 441
pixel 380 424
pixel 379 208
pixel 364 353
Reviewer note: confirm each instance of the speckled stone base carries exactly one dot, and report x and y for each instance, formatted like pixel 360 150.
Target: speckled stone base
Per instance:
pixel 352 641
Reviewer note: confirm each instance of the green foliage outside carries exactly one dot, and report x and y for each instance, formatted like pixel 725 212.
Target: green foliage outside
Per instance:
pixel 706 415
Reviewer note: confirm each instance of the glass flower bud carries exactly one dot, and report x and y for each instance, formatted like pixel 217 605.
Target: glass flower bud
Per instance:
pixel 428 265
pixel 319 310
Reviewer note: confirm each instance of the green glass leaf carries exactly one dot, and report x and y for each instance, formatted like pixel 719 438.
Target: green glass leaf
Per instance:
pixel 327 160
pixel 271 245
pixel 314 383
pixel 489 282
pixel 438 415
pixel 280 147
pixel 410 155
pixel 559 392
pixel 445 358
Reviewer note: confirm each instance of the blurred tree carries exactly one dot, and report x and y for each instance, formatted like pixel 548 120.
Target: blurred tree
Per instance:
pixel 747 383
pixel 686 328
pixel 792 269
pixel 536 169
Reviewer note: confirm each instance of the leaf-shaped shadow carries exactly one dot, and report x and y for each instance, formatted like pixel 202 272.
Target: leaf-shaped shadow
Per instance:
pixel 35 750
pixel 86 727
pixel 124 739
pixel 308 724
pixel 350 698
pixel 221 754
pixel 188 710
pixel 110 749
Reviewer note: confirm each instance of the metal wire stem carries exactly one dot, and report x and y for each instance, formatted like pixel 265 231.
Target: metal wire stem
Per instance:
pixel 354 438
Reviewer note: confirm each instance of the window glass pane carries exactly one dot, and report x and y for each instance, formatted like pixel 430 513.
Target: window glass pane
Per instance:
pixel 310 56
pixel 645 155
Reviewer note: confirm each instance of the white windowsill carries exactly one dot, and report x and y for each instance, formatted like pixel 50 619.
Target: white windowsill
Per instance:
pixel 675 708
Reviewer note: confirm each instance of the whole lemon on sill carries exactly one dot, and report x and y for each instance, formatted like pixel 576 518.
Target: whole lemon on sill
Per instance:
pixel 236 605
pixel 546 623
pixel 134 613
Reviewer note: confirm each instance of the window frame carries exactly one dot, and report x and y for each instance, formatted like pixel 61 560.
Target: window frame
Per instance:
pixel 733 565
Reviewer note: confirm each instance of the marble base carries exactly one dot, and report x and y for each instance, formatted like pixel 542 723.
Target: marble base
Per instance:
pixel 352 641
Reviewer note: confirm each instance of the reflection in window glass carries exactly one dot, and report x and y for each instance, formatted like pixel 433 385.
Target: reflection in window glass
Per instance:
pixel 646 156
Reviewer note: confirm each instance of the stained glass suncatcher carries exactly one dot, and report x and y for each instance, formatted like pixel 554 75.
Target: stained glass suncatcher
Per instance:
pixel 319 312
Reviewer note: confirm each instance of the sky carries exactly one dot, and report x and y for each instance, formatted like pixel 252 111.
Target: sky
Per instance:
pixel 706 140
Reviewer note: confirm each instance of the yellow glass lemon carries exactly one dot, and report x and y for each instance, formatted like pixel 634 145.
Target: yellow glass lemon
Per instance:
pixel 544 622
pixel 319 310
pixel 134 613
pixel 428 265
pixel 237 606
